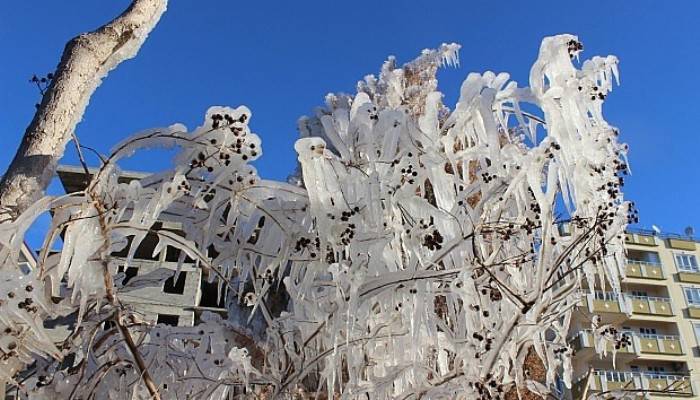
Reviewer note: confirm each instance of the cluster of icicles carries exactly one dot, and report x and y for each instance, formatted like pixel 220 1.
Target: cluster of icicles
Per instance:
pixel 418 250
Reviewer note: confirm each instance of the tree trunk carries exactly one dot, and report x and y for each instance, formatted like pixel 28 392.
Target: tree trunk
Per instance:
pixel 86 60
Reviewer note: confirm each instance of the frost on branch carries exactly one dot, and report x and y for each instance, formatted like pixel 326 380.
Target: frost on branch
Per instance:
pixel 179 358
pixel 422 249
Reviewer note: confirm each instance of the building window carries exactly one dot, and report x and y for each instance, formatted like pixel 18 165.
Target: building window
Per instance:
pixel 608 296
pixel 616 376
pixel 656 372
pixel 129 273
pixel 647 331
pixel 692 296
pixel 175 286
pixel 168 319
pixel 108 324
pixel 648 257
pixel 25 268
pixel 696 329
pixel 687 262
pixel 211 295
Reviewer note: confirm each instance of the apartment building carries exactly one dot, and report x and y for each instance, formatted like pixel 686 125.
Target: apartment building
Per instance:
pixel 151 286
pixel 659 310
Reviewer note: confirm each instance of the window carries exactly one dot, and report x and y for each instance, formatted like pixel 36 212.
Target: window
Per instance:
pixel 168 319
pixel 616 376
pixel 687 262
pixel 25 268
pixel 175 286
pixel 173 255
pixel 639 293
pixel 609 296
pixel 211 295
pixel 692 296
pixel 129 274
pixel 696 329
pixel 650 257
pixel 656 371
pixel 647 331
pixel 564 229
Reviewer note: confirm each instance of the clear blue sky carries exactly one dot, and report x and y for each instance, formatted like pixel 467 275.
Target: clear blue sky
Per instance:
pixel 280 58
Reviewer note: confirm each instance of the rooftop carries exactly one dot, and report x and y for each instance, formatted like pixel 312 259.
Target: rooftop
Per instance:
pixel 663 235
pixel 73 177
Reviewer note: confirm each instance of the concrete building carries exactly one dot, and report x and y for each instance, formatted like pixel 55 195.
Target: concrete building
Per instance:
pixel 151 287
pixel 659 310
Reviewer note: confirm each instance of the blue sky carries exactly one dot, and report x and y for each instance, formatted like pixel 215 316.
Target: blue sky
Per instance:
pixel 281 57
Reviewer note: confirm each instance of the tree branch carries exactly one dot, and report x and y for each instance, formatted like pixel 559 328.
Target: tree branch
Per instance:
pixel 86 60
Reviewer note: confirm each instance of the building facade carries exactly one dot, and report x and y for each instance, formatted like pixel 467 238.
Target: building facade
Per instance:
pixel 154 287
pixel 658 310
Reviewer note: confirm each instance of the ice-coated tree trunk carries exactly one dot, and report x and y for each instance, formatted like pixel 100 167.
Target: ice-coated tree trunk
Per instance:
pixel 86 60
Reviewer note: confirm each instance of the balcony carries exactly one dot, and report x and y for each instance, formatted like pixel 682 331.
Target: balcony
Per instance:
pixel 688 276
pixel 644 270
pixel 610 303
pixel 694 311
pixel 646 305
pixel 604 302
pixel 642 344
pixel 640 239
pixel 603 381
pixel 681 244
pixel 660 344
pixel 584 342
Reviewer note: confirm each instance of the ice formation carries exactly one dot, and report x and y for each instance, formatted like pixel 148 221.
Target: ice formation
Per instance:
pixel 422 248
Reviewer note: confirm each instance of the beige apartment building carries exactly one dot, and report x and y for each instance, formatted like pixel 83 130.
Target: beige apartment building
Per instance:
pixel 659 310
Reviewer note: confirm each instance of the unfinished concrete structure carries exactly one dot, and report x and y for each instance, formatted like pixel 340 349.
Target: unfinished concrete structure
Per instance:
pixel 152 286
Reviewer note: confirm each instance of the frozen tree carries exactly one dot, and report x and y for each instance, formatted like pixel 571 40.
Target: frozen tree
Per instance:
pixel 424 251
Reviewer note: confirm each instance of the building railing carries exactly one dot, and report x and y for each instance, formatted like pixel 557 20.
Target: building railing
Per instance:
pixel 659 337
pixel 641 262
pixel 627 375
pixel 640 343
pixel 644 269
pixel 662 235
pixel 610 302
pixel 606 380
pixel 586 339
pixel 652 305
pixel 650 298
pixel 611 296
pixel 622 376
